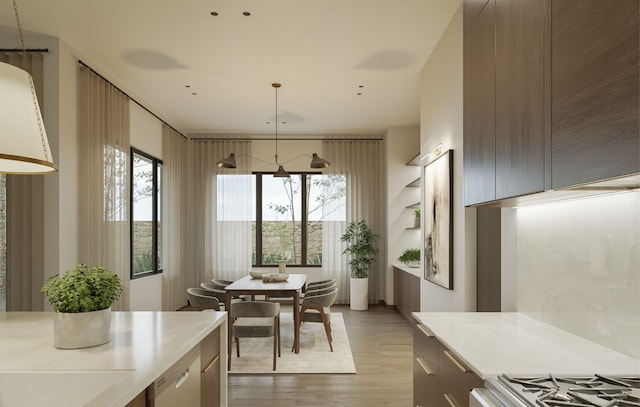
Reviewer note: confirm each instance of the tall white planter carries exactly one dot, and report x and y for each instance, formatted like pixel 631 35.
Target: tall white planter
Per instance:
pixel 359 294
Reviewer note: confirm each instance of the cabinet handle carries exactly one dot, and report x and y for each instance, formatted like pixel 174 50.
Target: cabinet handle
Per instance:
pixel 213 361
pixel 450 400
pixel 456 362
pixel 425 367
pixel 424 331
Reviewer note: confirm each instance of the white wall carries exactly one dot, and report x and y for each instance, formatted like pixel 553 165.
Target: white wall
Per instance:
pixel 401 145
pixel 578 268
pixel 441 122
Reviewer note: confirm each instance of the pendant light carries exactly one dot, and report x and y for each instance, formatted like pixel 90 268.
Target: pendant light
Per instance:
pixel 317 162
pixel 281 173
pixel 24 147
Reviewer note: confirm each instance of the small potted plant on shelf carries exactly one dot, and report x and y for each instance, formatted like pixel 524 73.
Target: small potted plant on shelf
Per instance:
pixel 416 219
pixel 82 299
pixel 410 257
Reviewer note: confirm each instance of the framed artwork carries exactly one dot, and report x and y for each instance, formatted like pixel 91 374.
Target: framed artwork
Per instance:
pixel 438 220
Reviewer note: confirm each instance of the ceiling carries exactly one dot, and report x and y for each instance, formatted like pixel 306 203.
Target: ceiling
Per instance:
pixel 348 67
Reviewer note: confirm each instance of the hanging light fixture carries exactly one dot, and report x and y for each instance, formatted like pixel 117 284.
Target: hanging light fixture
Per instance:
pixel 24 148
pixel 316 160
pixel 281 173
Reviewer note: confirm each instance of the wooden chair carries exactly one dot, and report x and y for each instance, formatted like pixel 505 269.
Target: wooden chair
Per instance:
pixel 200 299
pixel 256 319
pixel 315 307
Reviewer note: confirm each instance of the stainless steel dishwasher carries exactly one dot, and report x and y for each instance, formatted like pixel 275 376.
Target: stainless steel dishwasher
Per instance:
pixel 179 385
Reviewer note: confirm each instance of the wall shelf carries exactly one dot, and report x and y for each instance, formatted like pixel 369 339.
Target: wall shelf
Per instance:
pixel 413 206
pixel 414 184
pixel 414 161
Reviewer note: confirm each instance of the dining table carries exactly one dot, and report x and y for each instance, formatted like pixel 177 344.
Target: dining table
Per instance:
pixel 247 285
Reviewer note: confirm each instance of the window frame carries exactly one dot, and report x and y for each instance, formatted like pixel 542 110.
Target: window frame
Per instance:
pixel 304 219
pixel 156 214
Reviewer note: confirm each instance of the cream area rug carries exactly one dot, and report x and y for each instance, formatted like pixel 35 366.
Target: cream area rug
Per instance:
pixel 256 354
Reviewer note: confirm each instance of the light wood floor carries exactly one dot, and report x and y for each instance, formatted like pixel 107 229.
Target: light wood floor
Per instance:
pixel 382 346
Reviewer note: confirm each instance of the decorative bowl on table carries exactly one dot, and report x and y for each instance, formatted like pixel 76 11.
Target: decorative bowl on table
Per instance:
pixel 274 277
pixel 258 273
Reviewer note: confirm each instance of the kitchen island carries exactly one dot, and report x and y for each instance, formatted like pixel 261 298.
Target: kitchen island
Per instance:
pixel 143 346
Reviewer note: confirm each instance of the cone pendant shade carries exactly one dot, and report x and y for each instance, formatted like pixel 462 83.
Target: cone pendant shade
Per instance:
pixel 227 162
pixel 24 148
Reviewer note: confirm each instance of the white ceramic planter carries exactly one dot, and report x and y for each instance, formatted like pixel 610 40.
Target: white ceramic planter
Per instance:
pixel 359 294
pixel 75 330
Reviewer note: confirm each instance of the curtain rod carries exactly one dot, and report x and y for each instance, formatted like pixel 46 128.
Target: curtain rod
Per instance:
pixel 21 50
pixel 127 95
pixel 283 139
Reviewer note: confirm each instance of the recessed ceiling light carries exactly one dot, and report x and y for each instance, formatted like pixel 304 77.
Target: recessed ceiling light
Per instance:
pixel 246 14
pixel 214 13
pixel 187 86
pixel 361 86
pixel 194 93
pixel 359 93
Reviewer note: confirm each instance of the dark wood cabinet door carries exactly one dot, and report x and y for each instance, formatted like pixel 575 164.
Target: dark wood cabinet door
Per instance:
pixel 522 49
pixel 596 94
pixel 479 109
pixel 471 10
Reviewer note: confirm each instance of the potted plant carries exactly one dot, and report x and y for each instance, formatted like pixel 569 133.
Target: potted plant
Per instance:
pixel 410 257
pixel 361 249
pixel 416 219
pixel 82 299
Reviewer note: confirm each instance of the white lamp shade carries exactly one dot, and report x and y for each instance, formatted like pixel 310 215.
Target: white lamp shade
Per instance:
pixel 23 150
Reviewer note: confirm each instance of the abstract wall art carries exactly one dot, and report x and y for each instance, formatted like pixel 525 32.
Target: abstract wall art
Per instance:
pixel 438 220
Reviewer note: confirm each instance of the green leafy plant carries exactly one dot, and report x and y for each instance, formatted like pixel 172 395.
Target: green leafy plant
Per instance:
pixel 410 255
pixel 416 212
pixel 360 241
pixel 83 289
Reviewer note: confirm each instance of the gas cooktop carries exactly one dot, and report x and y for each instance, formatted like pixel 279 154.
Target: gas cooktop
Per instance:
pixel 563 391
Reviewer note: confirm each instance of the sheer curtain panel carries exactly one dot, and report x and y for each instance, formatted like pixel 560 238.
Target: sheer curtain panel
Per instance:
pixel 224 210
pixel 360 162
pixel 22 237
pixel 175 210
pixel 104 150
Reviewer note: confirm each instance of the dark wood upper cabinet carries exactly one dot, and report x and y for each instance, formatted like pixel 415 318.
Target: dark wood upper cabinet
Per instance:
pixel 471 10
pixel 596 93
pixel 522 87
pixel 479 109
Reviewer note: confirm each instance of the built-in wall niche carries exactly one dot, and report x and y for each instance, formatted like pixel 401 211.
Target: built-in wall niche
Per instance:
pixel 413 208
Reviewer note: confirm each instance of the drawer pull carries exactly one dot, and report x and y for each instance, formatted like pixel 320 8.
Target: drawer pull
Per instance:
pixel 213 361
pixel 456 362
pixel 450 400
pixel 425 332
pixel 425 367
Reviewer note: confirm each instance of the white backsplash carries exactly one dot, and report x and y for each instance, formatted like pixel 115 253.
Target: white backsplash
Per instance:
pixel 578 268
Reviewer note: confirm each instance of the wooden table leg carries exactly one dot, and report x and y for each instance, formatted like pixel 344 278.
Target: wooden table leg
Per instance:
pixel 227 307
pixel 296 320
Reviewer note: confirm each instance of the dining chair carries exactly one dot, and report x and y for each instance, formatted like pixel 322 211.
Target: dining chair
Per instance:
pixel 220 284
pixel 315 307
pixel 220 293
pixel 319 284
pixel 256 319
pixel 200 299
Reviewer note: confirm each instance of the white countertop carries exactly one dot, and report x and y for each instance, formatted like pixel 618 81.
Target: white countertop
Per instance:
pixel 143 345
pixel 416 271
pixel 492 343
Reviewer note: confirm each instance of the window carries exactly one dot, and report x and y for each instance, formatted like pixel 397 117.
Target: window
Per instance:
pixel 146 211
pixel 289 214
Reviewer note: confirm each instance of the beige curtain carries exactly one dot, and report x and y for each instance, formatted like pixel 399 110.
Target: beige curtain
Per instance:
pixel 361 162
pixel 104 151
pixel 222 249
pixel 22 238
pixel 175 210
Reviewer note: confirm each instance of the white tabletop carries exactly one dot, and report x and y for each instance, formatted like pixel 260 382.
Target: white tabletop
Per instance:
pixel 294 282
